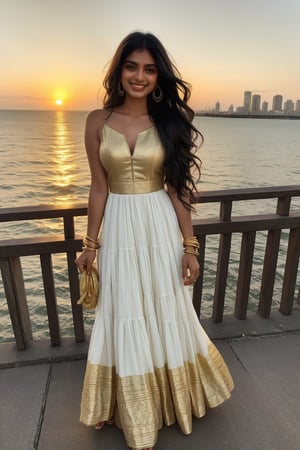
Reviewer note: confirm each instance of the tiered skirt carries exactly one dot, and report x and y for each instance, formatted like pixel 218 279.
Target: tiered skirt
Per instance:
pixel 150 362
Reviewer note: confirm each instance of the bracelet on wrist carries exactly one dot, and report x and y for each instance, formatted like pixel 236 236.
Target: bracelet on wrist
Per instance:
pixel 191 245
pixel 88 238
pixel 90 243
pixel 191 242
pixel 191 251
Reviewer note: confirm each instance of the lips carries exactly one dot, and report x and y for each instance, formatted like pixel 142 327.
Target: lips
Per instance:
pixel 137 87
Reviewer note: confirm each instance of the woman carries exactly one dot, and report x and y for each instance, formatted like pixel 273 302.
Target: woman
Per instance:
pixel 150 362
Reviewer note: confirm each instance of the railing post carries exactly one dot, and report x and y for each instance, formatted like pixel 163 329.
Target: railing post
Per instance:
pixel 50 296
pixel 283 206
pixel 74 293
pixel 290 273
pixel 244 278
pixel 225 210
pixel 223 262
pixel 77 313
pixel 13 283
pixel 197 291
pixel 69 229
pixel 269 273
pixel 270 262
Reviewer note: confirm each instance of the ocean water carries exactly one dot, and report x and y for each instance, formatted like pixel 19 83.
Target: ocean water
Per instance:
pixel 43 161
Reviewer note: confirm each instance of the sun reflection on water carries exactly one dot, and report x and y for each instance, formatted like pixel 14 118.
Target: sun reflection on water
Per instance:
pixel 64 166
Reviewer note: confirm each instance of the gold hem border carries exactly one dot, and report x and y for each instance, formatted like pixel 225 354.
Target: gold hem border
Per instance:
pixel 141 404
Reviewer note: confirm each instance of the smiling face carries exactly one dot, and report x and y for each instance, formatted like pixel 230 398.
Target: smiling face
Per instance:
pixel 139 74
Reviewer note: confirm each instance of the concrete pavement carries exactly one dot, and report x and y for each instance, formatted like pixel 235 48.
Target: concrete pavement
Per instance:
pixel 40 399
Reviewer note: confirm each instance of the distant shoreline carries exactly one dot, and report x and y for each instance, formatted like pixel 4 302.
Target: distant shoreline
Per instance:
pixel 197 113
pixel 248 116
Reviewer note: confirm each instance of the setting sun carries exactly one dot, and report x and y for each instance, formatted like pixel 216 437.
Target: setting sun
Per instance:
pixel 59 102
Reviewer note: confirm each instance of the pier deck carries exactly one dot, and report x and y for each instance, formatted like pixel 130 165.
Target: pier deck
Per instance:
pixel 40 395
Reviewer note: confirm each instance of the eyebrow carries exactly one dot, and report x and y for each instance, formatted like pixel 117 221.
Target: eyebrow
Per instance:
pixel 135 63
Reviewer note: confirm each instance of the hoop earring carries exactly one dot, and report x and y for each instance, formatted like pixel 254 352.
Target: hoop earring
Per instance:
pixel 121 90
pixel 157 94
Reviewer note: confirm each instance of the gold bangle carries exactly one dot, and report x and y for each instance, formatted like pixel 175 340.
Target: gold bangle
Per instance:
pixel 191 246
pixel 90 244
pixel 88 238
pixel 85 247
pixel 191 241
pixel 191 251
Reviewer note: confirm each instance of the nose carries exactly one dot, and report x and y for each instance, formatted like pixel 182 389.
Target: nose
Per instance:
pixel 139 74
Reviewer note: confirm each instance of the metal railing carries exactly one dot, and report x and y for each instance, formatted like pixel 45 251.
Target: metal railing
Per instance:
pixel 224 226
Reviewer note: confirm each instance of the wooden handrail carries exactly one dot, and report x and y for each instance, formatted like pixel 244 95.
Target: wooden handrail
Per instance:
pixel 247 194
pixel 41 212
pixel 73 210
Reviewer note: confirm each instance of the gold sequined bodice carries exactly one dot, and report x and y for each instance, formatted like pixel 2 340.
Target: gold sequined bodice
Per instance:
pixel 138 172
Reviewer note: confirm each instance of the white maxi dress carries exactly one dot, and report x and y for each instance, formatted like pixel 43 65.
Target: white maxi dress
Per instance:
pixel 150 362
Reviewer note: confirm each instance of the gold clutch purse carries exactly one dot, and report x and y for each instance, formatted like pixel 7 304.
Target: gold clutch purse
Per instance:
pixel 89 289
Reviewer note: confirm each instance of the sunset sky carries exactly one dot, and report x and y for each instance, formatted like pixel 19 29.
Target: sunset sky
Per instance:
pixel 58 49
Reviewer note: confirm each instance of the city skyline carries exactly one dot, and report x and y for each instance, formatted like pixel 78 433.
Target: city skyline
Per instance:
pixel 54 54
pixel 254 103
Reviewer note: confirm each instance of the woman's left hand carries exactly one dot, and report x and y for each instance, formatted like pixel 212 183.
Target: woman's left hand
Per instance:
pixel 190 268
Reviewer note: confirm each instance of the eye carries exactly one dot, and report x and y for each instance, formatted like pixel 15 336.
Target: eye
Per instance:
pixel 151 70
pixel 130 66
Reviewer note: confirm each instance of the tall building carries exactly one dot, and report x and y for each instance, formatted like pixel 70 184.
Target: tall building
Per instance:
pixel 264 107
pixel 289 107
pixel 217 107
pixel 247 101
pixel 255 104
pixel 297 109
pixel 277 103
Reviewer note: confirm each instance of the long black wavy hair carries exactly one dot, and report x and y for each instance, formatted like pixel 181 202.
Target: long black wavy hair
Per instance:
pixel 171 116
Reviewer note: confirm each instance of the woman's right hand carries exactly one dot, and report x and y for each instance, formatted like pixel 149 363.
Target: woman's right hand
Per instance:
pixel 85 260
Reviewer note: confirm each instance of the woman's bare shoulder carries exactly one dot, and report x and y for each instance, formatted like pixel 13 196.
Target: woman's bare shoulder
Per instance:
pixel 97 117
